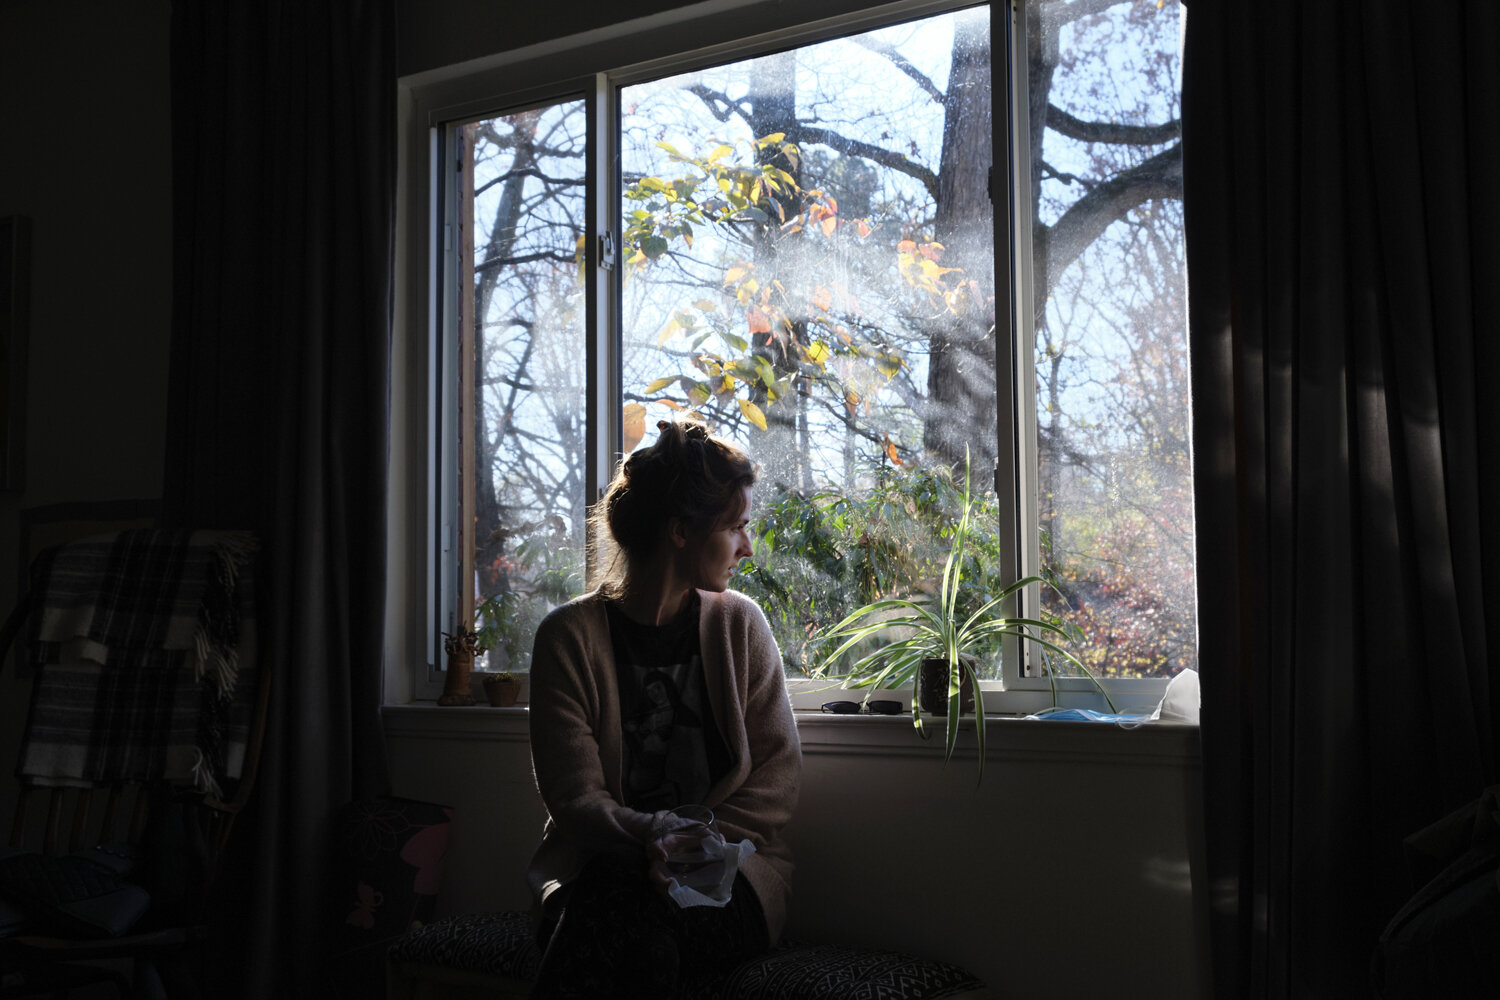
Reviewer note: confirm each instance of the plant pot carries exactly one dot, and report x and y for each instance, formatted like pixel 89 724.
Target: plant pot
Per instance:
pixel 456 680
pixel 932 687
pixel 502 693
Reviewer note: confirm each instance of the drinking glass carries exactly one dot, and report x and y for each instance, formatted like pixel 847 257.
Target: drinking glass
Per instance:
pixel 688 860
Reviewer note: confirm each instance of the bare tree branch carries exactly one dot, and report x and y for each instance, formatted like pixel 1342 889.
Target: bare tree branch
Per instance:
pixel 718 103
pixel 900 62
pixel 549 180
pixel 524 258
pixel 900 162
pixel 1081 224
pixel 1135 135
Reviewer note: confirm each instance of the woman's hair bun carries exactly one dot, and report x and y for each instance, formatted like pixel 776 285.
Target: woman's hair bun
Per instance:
pixel 686 473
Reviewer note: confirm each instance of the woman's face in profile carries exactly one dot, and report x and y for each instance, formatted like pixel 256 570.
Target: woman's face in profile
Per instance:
pixel 708 560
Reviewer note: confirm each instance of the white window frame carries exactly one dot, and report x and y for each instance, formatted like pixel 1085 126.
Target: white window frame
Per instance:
pixel 594 66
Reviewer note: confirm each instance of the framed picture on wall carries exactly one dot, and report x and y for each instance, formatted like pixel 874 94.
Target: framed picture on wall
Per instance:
pixel 15 289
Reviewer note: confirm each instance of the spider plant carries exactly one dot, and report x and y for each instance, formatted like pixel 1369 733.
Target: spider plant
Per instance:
pixel 904 633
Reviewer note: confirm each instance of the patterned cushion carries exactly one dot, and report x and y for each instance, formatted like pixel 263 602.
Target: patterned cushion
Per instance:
pixel 502 944
pixel 810 971
pixel 499 943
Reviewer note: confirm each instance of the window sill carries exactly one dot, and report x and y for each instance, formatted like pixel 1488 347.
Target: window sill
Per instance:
pixel 1006 737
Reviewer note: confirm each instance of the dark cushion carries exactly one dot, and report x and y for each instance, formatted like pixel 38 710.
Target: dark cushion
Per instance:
pixel 502 944
pixel 71 895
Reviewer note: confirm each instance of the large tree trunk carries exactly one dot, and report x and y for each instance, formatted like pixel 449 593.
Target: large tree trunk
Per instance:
pixel 961 342
pixel 782 452
pixel 489 519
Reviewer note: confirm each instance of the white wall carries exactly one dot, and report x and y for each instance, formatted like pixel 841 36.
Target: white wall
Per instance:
pixel 1064 874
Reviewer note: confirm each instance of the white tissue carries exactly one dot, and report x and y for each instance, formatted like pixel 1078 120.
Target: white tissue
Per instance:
pixel 1180 702
pixel 685 896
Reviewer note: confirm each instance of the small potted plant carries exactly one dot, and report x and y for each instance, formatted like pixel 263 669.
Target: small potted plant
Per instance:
pixel 933 643
pixel 461 646
pixel 501 688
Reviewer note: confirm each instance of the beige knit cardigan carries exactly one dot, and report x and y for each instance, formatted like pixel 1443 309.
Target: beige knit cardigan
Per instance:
pixel 576 745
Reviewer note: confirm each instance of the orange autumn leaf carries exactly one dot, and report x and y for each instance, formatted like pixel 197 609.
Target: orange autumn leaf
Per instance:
pixel 759 321
pixel 635 425
pixel 890 451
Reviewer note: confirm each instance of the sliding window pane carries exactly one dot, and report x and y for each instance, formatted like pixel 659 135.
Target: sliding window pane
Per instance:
pixel 809 262
pixel 1109 311
pixel 523 458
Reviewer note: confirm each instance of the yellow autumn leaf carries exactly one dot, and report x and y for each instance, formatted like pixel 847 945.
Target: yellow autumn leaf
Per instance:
pixel 667 331
pixel 817 353
pixel 753 413
pixel 659 384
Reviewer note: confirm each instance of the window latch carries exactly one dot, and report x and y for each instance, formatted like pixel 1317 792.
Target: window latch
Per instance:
pixel 607 251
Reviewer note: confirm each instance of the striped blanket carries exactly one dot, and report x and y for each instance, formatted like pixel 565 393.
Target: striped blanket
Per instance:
pixel 144 644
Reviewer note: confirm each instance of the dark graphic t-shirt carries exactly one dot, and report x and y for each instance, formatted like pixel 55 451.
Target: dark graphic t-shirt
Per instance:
pixel 673 752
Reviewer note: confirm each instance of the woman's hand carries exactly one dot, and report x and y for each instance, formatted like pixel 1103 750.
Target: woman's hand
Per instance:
pixel 679 852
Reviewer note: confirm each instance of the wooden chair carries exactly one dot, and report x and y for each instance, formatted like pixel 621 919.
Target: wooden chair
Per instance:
pixel 127 835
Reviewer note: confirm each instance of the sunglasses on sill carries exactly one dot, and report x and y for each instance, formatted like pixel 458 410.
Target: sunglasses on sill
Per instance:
pixel 878 707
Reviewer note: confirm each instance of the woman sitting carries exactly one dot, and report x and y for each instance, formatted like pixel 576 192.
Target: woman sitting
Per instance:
pixel 661 688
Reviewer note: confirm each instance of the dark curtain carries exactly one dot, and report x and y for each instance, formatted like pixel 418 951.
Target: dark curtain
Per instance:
pixel 1342 170
pixel 284 179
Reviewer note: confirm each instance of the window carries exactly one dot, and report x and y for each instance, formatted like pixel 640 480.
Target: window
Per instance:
pixel 812 239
